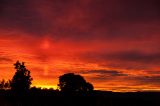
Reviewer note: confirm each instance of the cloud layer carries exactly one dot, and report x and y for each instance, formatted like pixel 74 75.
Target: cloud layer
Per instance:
pixel 114 44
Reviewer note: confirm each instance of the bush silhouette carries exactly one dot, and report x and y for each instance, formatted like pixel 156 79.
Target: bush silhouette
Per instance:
pixel 70 83
pixel 5 84
pixel 21 81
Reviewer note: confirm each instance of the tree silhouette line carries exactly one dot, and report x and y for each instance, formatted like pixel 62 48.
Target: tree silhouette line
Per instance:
pixel 73 90
pixel 22 81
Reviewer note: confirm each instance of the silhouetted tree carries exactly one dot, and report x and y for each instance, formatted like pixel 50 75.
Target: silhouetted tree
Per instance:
pixel 70 82
pixel 21 81
pixel 89 86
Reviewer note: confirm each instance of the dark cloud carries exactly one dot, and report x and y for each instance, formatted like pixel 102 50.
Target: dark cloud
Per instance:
pixel 104 75
pixel 130 60
pixel 145 80
pixel 5 59
pixel 19 15
pixel 105 72
pixel 102 78
pixel 124 56
pixel 81 19
pixel 136 56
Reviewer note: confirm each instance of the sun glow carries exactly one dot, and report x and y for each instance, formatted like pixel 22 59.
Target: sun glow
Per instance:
pixel 46 86
pixel 45 44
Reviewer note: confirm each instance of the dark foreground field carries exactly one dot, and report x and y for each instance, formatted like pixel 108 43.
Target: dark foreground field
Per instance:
pixel 96 98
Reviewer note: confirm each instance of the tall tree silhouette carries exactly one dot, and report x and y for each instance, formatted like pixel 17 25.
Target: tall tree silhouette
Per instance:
pixel 70 83
pixel 21 81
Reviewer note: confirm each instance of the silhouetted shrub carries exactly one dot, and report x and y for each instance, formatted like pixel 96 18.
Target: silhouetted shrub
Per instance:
pixel 5 84
pixel 21 81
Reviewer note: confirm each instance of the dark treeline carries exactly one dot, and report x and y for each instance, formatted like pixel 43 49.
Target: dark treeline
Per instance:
pixel 22 80
pixel 73 90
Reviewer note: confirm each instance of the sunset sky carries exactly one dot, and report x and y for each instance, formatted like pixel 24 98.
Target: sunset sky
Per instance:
pixel 114 44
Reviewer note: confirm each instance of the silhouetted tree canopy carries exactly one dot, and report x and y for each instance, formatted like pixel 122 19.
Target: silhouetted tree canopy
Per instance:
pixel 70 82
pixel 21 80
pixel 89 87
